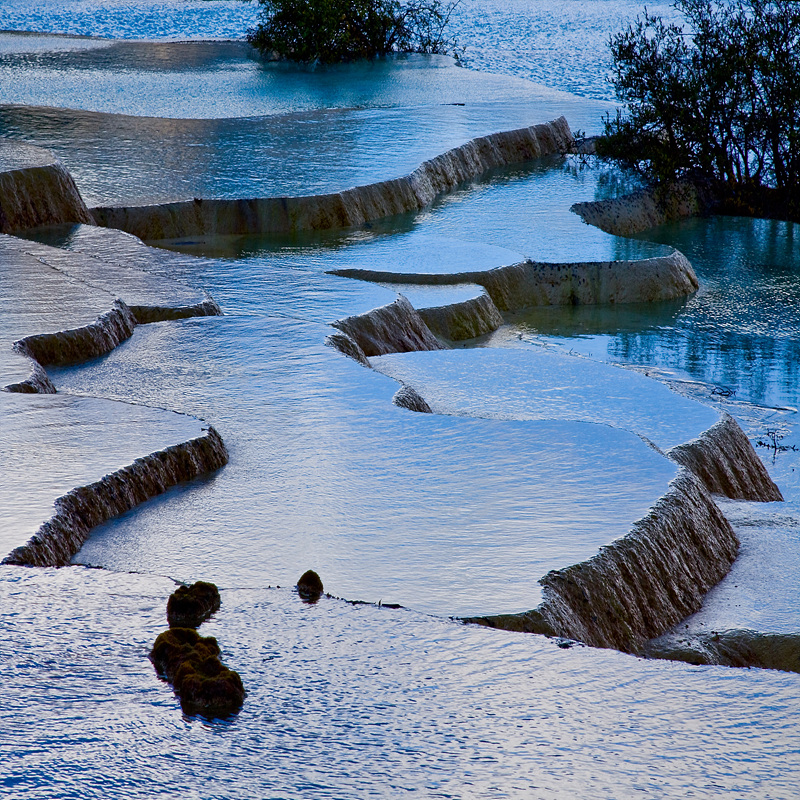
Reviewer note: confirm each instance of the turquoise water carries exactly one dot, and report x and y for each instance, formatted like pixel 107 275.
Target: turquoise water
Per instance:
pixel 561 45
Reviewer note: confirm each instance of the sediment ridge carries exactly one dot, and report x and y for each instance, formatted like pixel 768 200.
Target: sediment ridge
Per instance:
pixel 35 189
pixel 108 331
pixel 647 208
pixel 352 207
pixel 465 320
pixel 532 283
pixel 731 648
pixel 83 508
pixel 641 585
pixel 726 462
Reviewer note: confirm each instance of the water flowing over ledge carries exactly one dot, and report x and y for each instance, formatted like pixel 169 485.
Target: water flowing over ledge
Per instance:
pixel 465 320
pixel 96 339
pixel 641 585
pixel 724 460
pixel 721 457
pixel 396 328
pixel 35 189
pixel 644 583
pixel 82 509
pixel 286 215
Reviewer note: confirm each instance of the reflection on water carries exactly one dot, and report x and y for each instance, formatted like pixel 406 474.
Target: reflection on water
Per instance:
pixel 363 702
pixel 120 160
pixel 215 80
pixel 502 217
pixel 561 45
pixel 740 330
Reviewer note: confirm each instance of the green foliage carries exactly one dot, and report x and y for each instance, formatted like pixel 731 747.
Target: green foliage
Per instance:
pixel 330 31
pixel 717 97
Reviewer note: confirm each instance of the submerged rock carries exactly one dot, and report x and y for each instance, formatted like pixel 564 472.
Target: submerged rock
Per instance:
pixel 190 606
pixel 310 587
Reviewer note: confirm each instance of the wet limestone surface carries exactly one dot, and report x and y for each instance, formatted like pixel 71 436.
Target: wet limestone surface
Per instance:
pixel 505 383
pixel 330 492
pixel 45 290
pixel 36 299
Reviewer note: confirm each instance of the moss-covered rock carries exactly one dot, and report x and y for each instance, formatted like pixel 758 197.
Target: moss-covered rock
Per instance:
pixel 310 587
pixel 208 687
pixel 176 646
pixel 190 606
pixel 191 663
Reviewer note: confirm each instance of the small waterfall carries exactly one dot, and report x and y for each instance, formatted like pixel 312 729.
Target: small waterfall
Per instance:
pixel 641 585
pixel 396 328
pixel 85 507
pixel 146 314
pixel 532 283
pixel 36 190
pixel 96 339
pixel 464 320
pixel 38 382
pixel 283 215
pixel 725 461
pixel 347 347
pixel 80 344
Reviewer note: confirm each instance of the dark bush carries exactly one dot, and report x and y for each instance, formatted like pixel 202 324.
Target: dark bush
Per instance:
pixel 330 31
pixel 716 97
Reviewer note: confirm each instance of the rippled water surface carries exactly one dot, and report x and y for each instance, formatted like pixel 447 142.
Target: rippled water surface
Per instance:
pixel 561 45
pixel 471 511
pixel 350 701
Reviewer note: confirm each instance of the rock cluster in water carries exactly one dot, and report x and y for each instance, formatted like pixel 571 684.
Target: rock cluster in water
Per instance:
pixel 190 662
